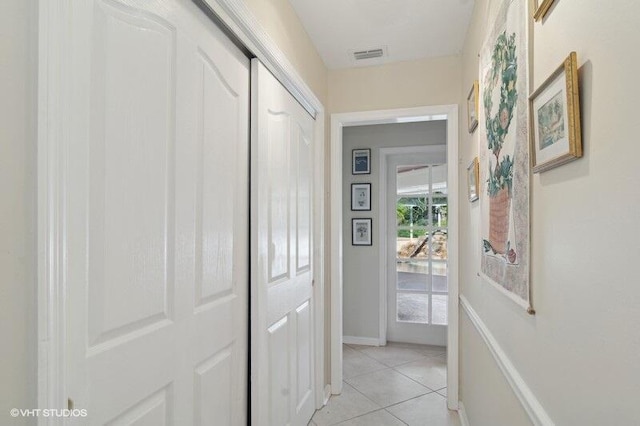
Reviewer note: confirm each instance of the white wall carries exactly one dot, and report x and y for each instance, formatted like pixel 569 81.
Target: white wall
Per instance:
pixel 579 353
pixel 18 44
pixel 361 279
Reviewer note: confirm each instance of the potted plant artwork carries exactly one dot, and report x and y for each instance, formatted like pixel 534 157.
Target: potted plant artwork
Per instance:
pixel 498 121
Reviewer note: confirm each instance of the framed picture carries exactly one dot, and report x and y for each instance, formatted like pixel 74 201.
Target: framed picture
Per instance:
pixel 555 118
pixel 472 107
pixel 541 7
pixel 503 152
pixel 361 232
pixel 361 162
pixel 360 196
pixel 472 180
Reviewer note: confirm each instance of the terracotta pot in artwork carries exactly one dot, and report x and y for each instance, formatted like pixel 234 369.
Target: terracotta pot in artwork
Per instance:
pixel 499 220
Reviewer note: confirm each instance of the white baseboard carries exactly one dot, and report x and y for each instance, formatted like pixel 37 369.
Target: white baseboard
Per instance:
pixel 530 403
pixel 462 414
pixel 327 394
pixel 366 341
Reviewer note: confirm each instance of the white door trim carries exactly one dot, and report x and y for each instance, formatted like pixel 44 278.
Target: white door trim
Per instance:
pixel 54 91
pixel 338 122
pixel 54 82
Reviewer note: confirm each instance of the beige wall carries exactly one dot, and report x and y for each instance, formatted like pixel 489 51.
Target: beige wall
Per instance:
pixel 18 361
pixel 584 236
pixel 280 21
pixel 398 85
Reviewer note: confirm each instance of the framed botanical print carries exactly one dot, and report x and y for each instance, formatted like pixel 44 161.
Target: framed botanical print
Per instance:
pixel 555 118
pixel 360 196
pixel 361 232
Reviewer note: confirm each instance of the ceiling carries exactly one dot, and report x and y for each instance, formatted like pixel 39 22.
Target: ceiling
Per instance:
pixel 405 29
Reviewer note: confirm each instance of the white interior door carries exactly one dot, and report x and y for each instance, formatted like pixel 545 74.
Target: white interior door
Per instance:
pixel 156 217
pixel 281 271
pixel 417 285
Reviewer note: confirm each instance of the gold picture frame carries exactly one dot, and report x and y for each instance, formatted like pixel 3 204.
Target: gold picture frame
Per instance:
pixel 554 117
pixel 472 107
pixel 473 177
pixel 541 9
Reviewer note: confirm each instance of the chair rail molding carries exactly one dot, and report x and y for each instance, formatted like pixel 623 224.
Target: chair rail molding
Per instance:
pixel 530 403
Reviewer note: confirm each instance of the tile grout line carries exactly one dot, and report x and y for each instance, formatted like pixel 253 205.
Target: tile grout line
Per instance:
pixel 370 412
pixel 397 371
pixel 395 403
pixel 411 378
pixel 393 368
pixel 358 390
pixel 379 407
pixel 367 372
pixel 393 415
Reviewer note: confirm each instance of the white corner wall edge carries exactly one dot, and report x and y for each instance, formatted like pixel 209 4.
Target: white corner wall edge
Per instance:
pixel 365 341
pixel 462 414
pixel 530 403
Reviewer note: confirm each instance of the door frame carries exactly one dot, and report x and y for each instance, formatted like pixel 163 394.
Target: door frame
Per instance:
pixel 55 89
pixel 402 115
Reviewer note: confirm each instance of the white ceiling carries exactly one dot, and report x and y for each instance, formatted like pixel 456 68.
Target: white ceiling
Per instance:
pixel 407 29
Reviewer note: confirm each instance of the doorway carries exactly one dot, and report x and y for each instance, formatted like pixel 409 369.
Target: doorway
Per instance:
pixel 449 113
pixel 416 197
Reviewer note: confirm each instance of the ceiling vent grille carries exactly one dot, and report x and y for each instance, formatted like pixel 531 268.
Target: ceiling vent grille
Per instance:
pixel 368 54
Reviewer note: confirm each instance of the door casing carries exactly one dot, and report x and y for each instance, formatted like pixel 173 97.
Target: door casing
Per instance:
pixel 403 115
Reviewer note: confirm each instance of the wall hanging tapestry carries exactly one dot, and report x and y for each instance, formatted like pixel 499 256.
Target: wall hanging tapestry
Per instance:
pixel 504 153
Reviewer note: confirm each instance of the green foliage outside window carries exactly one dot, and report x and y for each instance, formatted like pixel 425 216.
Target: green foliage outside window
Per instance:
pixel 413 211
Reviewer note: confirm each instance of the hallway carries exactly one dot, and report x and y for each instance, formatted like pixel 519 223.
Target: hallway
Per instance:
pixel 398 384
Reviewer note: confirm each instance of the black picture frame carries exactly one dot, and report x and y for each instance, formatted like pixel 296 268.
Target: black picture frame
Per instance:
pixel 362 231
pixel 361 161
pixel 360 197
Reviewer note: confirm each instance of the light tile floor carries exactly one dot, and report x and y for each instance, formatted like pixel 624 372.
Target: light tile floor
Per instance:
pixel 398 384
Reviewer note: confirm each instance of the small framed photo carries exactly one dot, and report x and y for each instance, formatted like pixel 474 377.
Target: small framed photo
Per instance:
pixel 541 7
pixel 555 118
pixel 361 232
pixel 361 162
pixel 472 180
pixel 360 196
pixel 472 107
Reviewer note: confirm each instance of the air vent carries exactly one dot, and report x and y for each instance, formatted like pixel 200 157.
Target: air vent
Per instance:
pixel 368 54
